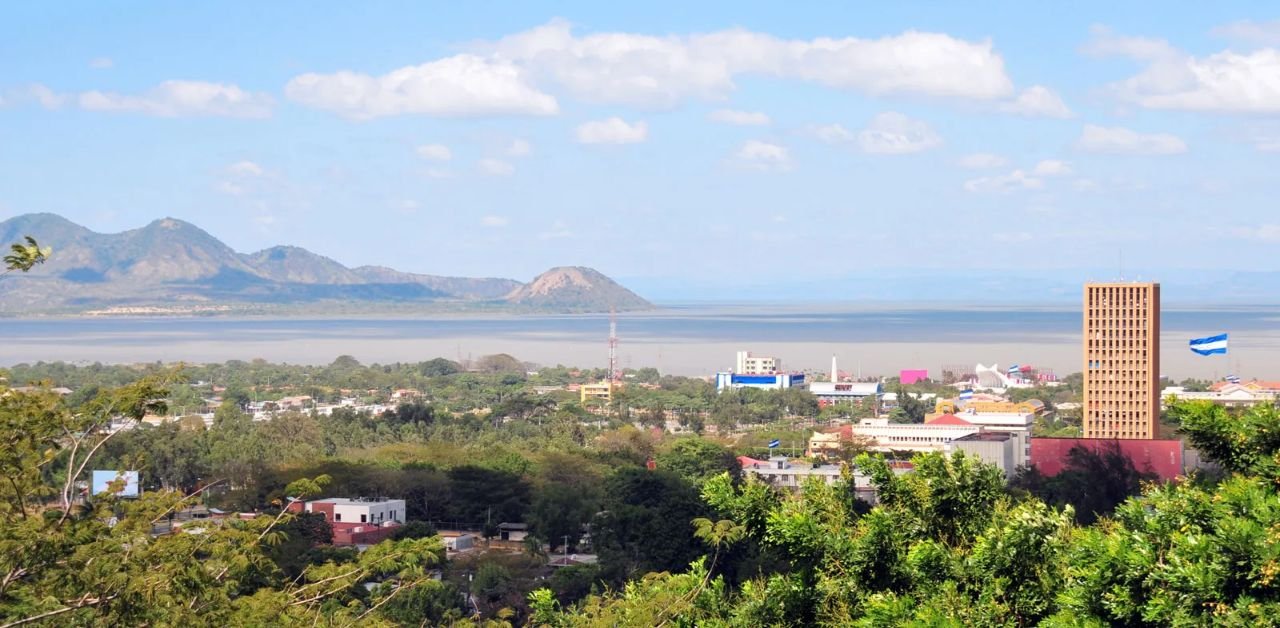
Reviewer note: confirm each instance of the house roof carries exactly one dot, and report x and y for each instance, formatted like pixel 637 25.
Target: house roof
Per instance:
pixel 949 419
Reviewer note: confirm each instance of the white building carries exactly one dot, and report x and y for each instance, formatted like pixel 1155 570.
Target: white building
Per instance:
pixel 749 364
pixel 1006 450
pixel 359 510
pixel 830 393
pixel 885 436
pixel 1002 421
pixel 785 473
pixel 1231 395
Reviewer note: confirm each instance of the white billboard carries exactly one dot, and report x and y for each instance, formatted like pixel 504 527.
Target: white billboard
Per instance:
pixel 102 481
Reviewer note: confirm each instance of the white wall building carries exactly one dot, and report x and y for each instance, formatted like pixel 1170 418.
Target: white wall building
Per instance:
pixel 756 365
pixel 359 510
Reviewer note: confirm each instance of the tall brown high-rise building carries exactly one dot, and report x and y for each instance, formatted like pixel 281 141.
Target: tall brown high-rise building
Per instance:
pixel 1121 360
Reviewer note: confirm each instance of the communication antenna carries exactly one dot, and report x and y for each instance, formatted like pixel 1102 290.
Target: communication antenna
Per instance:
pixel 614 375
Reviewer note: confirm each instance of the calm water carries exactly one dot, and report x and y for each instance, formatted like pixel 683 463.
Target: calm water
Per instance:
pixel 685 340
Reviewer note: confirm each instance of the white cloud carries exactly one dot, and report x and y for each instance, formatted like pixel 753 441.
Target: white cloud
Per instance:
pixel 982 161
pixel 434 152
pixel 1105 43
pixel 1262 233
pixel 33 93
pixel 101 63
pixel 494 221
pixel 662 71
pixel 1016 180
pixel 1036 101
pixel 183 98
pixel 461 85
pixel 496 167
pixel 519 148
pixel 1122 141
pixel 833 134
pixel 757 155
pixel 611 131
pixel 245 169
pixel 739 118
pixel 1223 82
pixel 1052 168
pixel 437 173
pixel 892 133
pixel 1251 32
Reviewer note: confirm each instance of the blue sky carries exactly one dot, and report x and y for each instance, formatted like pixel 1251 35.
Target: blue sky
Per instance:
pixel 736 142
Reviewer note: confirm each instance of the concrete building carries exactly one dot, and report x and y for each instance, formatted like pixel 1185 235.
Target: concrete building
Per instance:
pixel 885 436
pixel 1231 396
pixel 602 391
pixel 457 540
pixel 772 381
pixel 748 364
pixel 359 510
pixel 1006 450
pixel 831 393
pixel 1121 360
pixel 1160 456
pixel 791 474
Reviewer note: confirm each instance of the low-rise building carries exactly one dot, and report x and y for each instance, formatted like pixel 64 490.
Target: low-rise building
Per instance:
pixel 772 381
pixel 601 391
pixel 358 510
pixel 791 474
pixel 1006 450
pixel 457 540
pixel 1163 457
pixel 1230 395
pixel 831 393
pixel 882 435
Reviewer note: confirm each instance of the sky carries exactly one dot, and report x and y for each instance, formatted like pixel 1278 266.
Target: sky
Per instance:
pixel 729 142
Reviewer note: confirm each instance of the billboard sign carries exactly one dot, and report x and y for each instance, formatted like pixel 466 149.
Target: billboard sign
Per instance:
pixel 102 482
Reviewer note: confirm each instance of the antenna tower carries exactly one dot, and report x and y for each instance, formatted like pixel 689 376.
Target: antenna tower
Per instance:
pixel 614 375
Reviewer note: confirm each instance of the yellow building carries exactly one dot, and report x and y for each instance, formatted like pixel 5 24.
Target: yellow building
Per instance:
pixel 602 391
pixel 949 406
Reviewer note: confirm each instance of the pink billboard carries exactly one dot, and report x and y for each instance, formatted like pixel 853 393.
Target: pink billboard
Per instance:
pixel 911 376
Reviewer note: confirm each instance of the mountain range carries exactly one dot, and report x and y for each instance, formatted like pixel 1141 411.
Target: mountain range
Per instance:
pixel 173 266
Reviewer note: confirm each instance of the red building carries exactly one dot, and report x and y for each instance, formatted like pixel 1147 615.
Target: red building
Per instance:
pixel 1162 457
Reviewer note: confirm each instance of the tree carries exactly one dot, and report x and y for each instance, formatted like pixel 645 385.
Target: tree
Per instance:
pixel 559 512
pixel 644 523
pixel 24 257
pixel 910 409
pixel 696 459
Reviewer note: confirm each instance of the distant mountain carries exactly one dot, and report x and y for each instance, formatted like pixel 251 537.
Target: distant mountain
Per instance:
pixel 586 288
pixel 175 265
pixel 487 288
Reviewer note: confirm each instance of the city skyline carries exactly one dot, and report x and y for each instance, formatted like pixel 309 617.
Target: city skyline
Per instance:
pixel 657 144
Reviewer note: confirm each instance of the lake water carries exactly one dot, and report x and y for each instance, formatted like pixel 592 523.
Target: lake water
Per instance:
pixel 688 340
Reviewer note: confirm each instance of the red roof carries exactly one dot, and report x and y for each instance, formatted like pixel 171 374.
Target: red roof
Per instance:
pixel 948 419
pixel 747 462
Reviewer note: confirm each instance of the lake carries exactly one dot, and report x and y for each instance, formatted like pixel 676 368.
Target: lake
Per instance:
pixel 681 339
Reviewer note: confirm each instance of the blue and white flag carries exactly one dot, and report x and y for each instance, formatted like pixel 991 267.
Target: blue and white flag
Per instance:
pixel 966 395
pixel 1234 379
pixel 774 443
pixel 1014 368
pixel 1210 345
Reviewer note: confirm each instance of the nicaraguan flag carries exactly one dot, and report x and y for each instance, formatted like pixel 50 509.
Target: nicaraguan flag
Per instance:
pixel 774 443
pixel 1210 345
pixel 1014 368
pixel 966 395
pixel 1234 379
